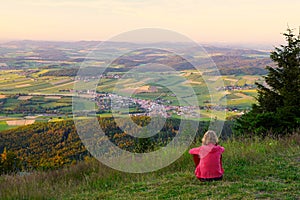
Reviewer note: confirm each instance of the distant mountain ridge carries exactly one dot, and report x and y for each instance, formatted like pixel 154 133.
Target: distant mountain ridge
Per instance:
pixel 229 61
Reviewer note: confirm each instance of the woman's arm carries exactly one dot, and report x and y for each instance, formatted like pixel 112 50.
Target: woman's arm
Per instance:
pixel 196 159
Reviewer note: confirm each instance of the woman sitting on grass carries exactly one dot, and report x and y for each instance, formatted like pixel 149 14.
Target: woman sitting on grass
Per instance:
pixel 208 158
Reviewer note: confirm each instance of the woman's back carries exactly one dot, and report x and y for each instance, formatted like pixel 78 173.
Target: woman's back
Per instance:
pixel 210 165
pixel 208 158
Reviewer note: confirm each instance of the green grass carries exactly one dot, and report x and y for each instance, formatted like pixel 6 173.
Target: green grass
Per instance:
pixel 16 115
pixel 232 96
pixel 252 93
pixel 3 126
pixel 241 103
pixel 254 169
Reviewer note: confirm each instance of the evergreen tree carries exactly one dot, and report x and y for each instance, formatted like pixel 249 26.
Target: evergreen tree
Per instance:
pixel 278 109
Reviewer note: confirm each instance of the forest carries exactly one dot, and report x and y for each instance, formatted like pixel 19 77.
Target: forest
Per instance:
pixel 52 145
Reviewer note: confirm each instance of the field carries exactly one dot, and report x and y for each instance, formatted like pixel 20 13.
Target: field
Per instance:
pixel 15 81
pixel 254 169
pixel 239 95
pixel 33 93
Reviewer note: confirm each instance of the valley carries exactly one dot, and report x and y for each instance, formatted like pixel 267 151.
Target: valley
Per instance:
pixel 39 79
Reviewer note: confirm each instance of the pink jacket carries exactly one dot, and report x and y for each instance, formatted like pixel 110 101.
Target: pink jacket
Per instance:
pixel 210 165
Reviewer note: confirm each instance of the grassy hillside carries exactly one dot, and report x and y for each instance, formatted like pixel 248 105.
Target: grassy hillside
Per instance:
pixel 254 169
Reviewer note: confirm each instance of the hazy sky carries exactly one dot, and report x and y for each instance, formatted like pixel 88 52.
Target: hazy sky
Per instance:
pixel 228 21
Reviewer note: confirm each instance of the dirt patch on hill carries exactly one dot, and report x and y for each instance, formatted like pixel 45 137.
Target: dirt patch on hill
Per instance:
pixel 24 98
pixel 19 122
pixel 146 89
pixel 24 85
pixel 53 97
pixel 143 89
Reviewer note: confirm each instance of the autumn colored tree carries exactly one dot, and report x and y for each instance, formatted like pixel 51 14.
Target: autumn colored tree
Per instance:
pixel 9 162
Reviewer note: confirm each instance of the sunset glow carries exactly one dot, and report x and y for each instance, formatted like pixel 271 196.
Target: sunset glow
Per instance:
pixel 231 21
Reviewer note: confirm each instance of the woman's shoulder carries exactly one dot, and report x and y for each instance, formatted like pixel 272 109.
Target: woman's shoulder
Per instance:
pixel 195 150
pixel 220 148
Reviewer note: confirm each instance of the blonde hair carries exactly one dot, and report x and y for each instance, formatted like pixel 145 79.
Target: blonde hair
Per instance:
pixel 210 137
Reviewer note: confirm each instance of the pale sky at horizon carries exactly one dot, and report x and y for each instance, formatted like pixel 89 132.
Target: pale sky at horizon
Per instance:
pixel 218 21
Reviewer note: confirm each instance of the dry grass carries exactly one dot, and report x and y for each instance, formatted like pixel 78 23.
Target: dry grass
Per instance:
pixel 20 122
pixel 23 85
pixel 52 97
pixel 24 98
